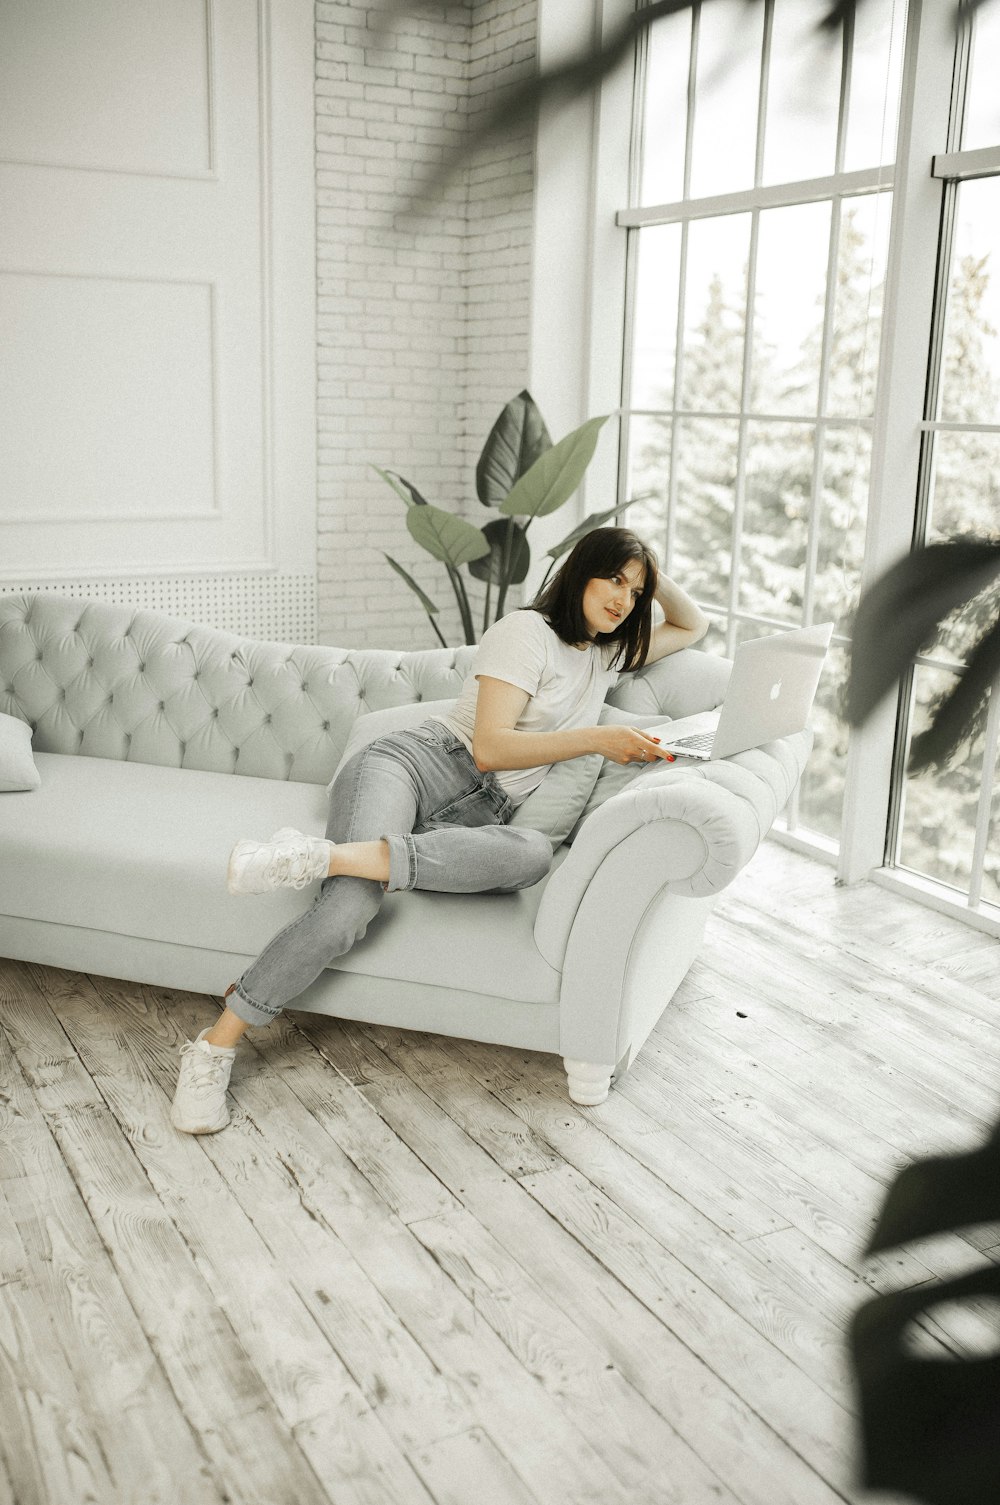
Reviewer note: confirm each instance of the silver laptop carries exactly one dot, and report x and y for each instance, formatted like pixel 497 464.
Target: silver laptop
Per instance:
pixel 770 694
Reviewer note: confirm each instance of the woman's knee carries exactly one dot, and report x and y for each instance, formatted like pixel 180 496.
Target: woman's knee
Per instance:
pixel 536 856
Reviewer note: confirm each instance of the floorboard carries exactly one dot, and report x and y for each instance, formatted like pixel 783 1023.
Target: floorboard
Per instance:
pixel 411 1272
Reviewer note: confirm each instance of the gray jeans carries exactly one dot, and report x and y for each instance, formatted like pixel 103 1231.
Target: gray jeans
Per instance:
pixel 445 824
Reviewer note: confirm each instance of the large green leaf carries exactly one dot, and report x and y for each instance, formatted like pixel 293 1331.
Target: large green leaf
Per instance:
pixel 422 597
pixel 554 477
pixel 899 613
pixel 590 522
pixel 417 590
pixel 954 719
pixel 491 568
pixel 449 538
pixel 515 442
pixel 402 487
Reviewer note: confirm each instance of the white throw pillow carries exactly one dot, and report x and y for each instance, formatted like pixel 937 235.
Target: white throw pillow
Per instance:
pixel 613 777
pixel 17 766
pixel 569 790
pixel 394 718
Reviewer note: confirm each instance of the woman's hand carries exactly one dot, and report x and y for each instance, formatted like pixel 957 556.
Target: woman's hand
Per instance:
pixel 626 744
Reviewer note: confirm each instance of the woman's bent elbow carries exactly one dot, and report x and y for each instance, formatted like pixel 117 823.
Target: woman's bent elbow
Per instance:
pixel 480 759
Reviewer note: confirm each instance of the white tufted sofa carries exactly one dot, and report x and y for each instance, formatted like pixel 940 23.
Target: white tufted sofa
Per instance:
pixel 116 864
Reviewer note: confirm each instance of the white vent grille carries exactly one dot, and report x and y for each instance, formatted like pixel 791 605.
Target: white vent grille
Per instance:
pixel 270 608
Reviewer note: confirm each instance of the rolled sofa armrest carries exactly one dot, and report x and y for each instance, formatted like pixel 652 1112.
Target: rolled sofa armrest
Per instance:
pixel 688 829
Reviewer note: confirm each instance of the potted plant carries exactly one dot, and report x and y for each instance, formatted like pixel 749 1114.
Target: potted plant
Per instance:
pixel 521 474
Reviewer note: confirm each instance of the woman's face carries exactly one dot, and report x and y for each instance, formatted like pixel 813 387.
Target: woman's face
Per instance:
pixel 606 603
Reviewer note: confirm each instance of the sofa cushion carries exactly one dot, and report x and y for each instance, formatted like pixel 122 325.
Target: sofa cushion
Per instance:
pixel 142 850
pixel 106 681
pixel 569 790
pixel 17 766
pixel 682 684
pixel 613 777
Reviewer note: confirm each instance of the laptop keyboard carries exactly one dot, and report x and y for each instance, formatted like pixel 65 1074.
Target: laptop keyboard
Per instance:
pixel 698 741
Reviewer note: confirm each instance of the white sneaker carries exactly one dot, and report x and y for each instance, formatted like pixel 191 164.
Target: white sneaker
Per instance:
pixel 289 860
pixel 199 1105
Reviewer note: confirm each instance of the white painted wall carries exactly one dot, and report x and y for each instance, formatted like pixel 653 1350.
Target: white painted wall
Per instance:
pixel 217 318
pixel 156 294
pixel 578 256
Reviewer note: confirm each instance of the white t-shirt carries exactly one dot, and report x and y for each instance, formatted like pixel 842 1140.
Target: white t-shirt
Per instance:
pixel 567 685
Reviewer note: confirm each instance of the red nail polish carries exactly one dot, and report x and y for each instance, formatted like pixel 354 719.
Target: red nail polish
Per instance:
pixel 670 757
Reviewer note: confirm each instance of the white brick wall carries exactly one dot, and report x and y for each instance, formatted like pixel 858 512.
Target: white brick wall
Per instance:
pixel 422 319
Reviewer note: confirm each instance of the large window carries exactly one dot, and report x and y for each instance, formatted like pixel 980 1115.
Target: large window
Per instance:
pixel 758 252
pixel 759 246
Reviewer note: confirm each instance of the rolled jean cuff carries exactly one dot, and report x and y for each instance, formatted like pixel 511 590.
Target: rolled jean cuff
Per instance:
pixel 402 863
pixel 244 1008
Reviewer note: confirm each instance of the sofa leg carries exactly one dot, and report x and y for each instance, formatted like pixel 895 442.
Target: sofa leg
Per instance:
pixel 589 1083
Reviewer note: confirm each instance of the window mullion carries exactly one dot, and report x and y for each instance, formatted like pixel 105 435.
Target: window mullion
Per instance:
pixel 692 79
pixel 671 527
pixel 908 305
pixel 826 350
pixel 846 75
pixel 763 196
pixel 934 325
pixel 765 71
pixel 739 493
pixel 678 380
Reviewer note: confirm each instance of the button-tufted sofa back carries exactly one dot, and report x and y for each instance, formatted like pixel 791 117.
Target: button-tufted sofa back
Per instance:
pixel 113 682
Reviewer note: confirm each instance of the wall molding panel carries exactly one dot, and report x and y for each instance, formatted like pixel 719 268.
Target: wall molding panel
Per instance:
pixel 157 291
pixel 78 82
pixel 136 354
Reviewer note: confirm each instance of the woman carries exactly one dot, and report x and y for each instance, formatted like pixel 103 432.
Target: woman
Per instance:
pixel 428 807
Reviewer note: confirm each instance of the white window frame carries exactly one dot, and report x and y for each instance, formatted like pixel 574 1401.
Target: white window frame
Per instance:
pixel 948 169
pixel 585 174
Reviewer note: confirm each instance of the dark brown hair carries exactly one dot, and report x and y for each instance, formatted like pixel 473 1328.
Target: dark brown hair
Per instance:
pixel 598 555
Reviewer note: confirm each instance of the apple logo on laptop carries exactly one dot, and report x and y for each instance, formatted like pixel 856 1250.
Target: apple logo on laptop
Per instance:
pixel 776 689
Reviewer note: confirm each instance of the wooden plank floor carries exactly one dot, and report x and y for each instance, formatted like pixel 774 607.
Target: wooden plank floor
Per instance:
pixel 411 1271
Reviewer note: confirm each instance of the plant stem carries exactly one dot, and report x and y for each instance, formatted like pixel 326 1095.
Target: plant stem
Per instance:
pixel 486 604
pixel 461 596
pixel 505 567
pixel 440 635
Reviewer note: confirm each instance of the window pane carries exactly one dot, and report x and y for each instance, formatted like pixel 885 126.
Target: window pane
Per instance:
pixel 857 316
pixel 665 114
pixel 803 95
pixel 970 382
pixel 843 513
pixel 821 791
pixel 776 520
pixel 792 253
pixel 655 323
pixel 876 67
pixel 966 480
pixel 727 89
pixel 705 457
pixel 939 811
pixel 648 480
pixel 982 110
pixel 715 313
